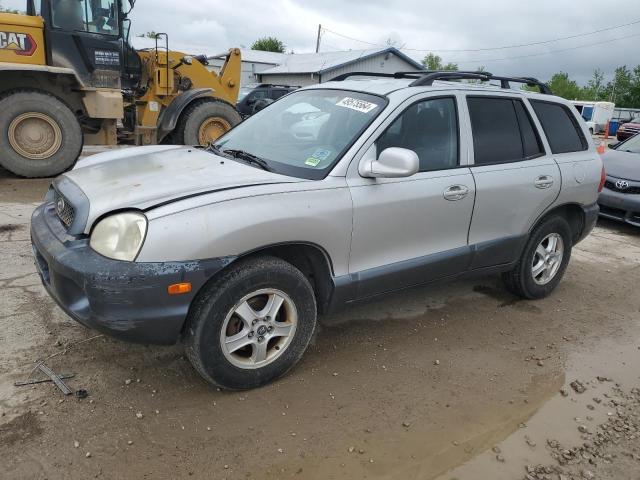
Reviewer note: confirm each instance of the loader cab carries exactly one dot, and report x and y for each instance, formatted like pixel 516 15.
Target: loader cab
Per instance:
pixel 89 36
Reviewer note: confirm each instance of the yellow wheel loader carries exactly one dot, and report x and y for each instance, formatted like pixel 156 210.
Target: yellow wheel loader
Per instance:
pixel 69 77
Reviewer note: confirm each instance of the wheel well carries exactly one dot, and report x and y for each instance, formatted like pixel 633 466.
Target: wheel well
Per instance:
pixel 64 87
pixel 572 213
pixel 311 260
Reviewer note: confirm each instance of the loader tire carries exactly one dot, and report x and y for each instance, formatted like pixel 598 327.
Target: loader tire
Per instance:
pixel 204 121
pixel 39 134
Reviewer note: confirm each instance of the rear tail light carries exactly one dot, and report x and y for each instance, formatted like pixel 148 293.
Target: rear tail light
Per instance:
pixel 603 178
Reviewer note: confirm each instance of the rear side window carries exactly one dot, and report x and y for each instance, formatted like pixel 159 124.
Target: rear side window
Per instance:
pixel 277 93
pixel 502 131
pixel 560 127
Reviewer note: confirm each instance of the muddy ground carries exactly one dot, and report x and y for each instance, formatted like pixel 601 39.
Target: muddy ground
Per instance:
pixel 461 381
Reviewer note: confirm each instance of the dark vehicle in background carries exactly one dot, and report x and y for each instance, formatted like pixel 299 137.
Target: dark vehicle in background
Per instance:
pixel 620 198
pixel 628 129
pixel 255 96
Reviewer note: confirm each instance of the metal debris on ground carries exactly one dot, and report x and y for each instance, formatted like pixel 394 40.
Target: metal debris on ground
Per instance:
pixel 55 378
pixel 33 381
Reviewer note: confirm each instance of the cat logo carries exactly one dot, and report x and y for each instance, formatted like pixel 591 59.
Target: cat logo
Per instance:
pixel 20 43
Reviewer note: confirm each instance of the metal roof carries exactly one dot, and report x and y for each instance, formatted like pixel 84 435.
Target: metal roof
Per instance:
pixel 260 56
pixel 322 62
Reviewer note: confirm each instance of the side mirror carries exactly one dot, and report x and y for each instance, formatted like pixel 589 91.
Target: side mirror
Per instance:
pixel 393 162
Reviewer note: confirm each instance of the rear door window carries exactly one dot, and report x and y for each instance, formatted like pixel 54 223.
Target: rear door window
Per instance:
pixel 502 131
pixel 560 126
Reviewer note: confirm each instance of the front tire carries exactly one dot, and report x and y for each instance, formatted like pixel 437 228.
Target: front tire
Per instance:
pixel 40 134
pixel 252 324
pixel 543 261
pixel 204 121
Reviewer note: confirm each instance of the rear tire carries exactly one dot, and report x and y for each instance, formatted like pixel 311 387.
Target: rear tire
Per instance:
pixel 204 121
pixel 540 267
pixel 230 320
pixel 41 136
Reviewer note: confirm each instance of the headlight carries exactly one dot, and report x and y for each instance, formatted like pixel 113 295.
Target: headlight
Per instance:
pixel 119 236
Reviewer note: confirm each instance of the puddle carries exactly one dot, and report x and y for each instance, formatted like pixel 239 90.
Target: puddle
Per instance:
pixel 560 418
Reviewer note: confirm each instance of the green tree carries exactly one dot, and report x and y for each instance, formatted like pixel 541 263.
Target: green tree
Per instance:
pixel 564 87
pixel 634 93
pixel 434 62
pixel 150 34
pixel 269 44
pixel 595 86
pixel 620 89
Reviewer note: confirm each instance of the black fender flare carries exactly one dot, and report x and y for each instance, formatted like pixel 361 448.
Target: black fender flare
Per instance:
pixel 169 116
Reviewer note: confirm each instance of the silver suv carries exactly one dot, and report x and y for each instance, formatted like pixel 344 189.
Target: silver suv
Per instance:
pixel 336 193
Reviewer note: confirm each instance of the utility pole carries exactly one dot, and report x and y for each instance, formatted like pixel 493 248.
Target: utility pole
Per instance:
pixel 318 39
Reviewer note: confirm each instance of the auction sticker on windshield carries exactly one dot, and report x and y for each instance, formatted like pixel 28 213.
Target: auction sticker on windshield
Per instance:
pixel 356 104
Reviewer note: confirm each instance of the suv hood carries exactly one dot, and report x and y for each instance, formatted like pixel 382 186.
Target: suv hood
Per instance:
pixel 145 177
pixel 622 165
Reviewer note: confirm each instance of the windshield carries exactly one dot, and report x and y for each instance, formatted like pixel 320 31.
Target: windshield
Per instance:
pixel 305 133
pixel 632 145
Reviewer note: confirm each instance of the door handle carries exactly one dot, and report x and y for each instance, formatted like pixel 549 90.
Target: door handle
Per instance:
pixel 543 181
pixel 455 192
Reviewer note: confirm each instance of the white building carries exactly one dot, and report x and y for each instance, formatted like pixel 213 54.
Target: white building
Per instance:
pixel 308 68
pixel 253 63
pixel 302 69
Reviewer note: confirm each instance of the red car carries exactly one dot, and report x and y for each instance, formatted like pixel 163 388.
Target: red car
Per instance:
pixel 628 129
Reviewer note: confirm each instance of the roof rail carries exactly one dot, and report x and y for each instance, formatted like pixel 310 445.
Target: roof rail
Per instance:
pixel 427 77
pixel 344 76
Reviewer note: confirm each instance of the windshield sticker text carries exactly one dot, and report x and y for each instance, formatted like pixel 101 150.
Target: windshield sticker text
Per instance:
pixel 356 104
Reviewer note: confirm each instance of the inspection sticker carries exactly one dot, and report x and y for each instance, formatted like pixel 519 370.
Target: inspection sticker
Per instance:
pixel 356 104
pixel 317 156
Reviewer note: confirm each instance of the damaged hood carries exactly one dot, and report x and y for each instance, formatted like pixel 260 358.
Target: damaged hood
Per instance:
pixel 145 177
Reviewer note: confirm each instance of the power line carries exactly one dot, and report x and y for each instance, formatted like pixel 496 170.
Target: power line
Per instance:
pixel 546 53
pixel 541 42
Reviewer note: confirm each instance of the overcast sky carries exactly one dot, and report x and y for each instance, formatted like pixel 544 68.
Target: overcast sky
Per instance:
pixel 215 25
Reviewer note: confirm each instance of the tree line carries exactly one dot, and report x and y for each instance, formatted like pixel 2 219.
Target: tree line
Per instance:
pixel 623 89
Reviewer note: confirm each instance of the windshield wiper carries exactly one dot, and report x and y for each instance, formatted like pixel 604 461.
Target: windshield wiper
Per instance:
pixel 248 157
pixel 214 148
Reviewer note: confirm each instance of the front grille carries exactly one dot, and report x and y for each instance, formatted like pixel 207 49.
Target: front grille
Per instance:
pixel 633 190
pixel 64 210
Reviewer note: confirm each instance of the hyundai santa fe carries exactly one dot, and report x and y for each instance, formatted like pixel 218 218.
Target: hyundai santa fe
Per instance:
pixel 335 194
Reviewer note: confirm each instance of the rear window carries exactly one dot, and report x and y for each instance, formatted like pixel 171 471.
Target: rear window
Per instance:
pixel 502 131
pixel 560 126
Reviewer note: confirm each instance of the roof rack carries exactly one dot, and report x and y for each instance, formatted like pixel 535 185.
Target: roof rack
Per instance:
pixel 427 77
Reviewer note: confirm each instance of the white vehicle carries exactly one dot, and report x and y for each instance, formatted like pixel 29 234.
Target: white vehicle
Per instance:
pixel 595 114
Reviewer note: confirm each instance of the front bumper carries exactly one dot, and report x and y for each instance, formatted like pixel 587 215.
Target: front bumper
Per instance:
pixel 127 300
pixel 620 206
